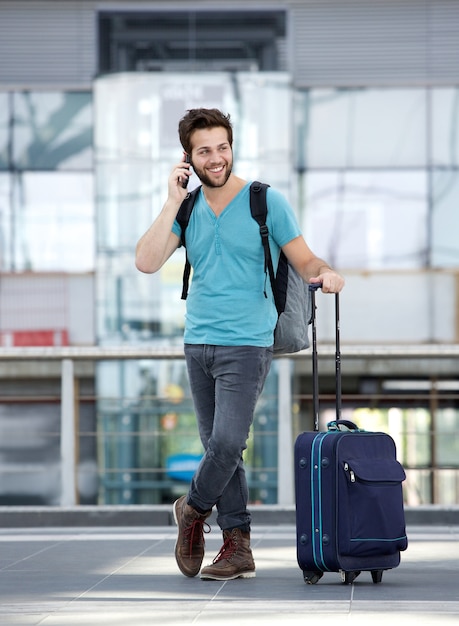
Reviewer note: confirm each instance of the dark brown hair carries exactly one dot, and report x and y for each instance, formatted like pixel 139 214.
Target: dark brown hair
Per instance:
pixel 202 118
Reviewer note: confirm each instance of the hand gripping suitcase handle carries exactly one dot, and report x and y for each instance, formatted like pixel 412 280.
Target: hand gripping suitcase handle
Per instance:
pixel 313 287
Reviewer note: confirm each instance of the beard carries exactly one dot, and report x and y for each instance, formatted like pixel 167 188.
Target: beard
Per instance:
pixel 208 182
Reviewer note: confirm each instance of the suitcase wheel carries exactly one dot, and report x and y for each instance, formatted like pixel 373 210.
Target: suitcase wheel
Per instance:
pixel 349 577
pixel 376 575
pixel 311 578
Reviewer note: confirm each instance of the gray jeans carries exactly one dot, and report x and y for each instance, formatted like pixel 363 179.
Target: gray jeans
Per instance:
pixel 225 382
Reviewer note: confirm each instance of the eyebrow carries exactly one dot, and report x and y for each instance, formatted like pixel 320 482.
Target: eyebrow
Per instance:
pixel 220 145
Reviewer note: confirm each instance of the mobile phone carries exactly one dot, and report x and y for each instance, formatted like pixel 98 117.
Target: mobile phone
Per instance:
pixel 187 178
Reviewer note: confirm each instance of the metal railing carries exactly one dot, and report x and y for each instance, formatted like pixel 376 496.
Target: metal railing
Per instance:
pixel 67 356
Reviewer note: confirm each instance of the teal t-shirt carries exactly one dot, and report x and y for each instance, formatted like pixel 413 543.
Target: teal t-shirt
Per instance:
pixel 226 304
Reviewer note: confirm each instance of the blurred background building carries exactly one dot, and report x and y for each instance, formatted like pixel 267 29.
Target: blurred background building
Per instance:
pixel 349 107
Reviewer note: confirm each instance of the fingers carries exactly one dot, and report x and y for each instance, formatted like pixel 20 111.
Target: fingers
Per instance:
pixel 183 174
pixel 331 282
pixel 178 180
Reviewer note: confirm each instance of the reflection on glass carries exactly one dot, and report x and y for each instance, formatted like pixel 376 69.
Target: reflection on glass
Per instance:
pixel 5 223
pixel 4 129
pixel 54 222
pixel 136 145
pixel 445 218
pixel 136 115
pixel 52 130
pixel 361 128
pixel 445 126
pixel 126 188
pixel 362 169
pixel 447 486
pixel 447 443
pixel 263 116
pixel 367 220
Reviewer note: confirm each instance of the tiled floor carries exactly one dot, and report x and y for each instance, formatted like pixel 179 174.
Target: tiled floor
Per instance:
pixel 128 577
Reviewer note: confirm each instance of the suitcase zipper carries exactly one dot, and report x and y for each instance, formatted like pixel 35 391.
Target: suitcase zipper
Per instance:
pixel 351 473
pixel 363 481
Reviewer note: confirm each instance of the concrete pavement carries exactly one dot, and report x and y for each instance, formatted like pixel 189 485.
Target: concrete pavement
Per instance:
pixel 127 576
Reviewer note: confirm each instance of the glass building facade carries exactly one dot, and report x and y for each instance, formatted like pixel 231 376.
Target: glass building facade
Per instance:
pixel 372 173
pixel 382 166
pixel 47 220
pixel 136 145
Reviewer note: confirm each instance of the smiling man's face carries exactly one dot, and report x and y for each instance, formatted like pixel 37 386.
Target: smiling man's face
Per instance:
pixel 211 156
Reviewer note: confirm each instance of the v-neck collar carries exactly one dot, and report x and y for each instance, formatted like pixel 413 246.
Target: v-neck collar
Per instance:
pixel 228 206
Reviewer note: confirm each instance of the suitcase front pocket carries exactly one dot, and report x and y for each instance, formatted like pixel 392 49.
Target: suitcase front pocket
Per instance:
pixel 373 500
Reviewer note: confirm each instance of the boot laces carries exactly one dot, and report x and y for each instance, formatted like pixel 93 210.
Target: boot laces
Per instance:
pixel 227 550
pixel 194 532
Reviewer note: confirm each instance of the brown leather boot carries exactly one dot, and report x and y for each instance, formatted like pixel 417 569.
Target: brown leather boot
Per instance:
pixel 234 560
pixel 189 548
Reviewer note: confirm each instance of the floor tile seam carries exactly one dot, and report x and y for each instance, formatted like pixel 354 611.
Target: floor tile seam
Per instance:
pixel 30 556
pixel 12 566
pixel 110 574
pixel 208 603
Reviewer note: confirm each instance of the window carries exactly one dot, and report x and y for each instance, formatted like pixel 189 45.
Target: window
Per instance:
pixel 4 131
pixel 367 219
pixel 379 175
pixel 445 127
pixel 53 222
pixel 197 40
pixel 52 130
pixel 445 218
pixel 362 128
pixel 46 188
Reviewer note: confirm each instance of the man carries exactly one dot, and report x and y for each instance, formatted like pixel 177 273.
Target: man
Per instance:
pixel 228 331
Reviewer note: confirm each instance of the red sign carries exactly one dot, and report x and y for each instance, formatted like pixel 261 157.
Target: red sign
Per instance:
pixel 22 338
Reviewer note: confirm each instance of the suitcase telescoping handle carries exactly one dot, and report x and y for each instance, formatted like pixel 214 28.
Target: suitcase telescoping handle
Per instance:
pixel 315 374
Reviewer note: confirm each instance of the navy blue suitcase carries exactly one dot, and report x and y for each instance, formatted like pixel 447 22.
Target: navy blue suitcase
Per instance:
pixel 348 487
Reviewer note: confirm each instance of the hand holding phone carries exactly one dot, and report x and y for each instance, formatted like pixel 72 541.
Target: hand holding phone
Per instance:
pixel 185 180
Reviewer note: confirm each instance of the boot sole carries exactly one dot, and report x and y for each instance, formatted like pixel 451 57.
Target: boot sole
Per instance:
pixel 223 578
pixel 174 511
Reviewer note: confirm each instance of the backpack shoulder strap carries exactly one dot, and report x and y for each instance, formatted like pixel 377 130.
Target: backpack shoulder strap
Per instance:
pixel 258 205
pixel 184 212
pixel 259 211
pixel 183 217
